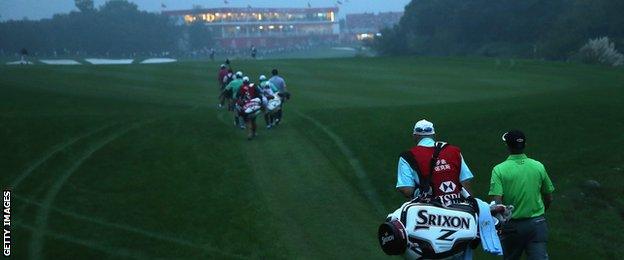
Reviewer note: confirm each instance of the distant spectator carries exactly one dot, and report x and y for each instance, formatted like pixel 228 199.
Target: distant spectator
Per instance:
pixel 24 54
pixel 254 51
pixel 212 54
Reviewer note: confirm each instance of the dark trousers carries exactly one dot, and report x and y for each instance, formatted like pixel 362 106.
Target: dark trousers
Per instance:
pixel 525 236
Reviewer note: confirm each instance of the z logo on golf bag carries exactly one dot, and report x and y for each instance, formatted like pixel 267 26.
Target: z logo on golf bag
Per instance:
pixel 446 235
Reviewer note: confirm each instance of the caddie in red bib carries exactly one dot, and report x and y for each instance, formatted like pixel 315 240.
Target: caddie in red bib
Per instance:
pixel 249 105
pixel 434 168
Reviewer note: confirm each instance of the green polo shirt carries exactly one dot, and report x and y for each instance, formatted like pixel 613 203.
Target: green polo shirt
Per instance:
pixel 235 85
pixel 521 181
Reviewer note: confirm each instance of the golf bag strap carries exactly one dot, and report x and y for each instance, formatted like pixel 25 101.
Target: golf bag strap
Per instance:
pixel 408 156
pixel 404 212
pixel 425 184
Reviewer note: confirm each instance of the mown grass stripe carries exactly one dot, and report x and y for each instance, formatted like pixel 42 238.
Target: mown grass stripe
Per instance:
pixel 113 251
pixel 358 169
pixel 131 229
pixel 41 220
pixel 51 152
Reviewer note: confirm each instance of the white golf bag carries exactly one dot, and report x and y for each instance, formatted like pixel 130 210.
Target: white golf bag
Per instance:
pixel 252 107
pixel 275 104
pixel 422 230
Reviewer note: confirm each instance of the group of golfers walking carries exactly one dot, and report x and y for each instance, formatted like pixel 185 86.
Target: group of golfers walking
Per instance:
pixel 247 99
pixel 519 181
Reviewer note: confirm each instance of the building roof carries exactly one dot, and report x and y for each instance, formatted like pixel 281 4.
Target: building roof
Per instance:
pixel 250 10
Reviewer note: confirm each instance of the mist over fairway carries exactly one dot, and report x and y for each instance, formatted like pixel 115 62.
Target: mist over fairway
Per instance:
pixel 135 161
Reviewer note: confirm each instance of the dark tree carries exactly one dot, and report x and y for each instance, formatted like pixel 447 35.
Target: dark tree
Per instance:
pixel 553 29
pixel 200 36
pixel 84 5
pixel 116 29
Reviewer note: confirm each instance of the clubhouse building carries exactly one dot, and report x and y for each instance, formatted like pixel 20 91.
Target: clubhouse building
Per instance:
pixel 265 27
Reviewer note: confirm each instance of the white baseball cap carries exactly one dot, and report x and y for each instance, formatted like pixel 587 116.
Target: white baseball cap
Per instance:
pixel 423 127
pixel 245 79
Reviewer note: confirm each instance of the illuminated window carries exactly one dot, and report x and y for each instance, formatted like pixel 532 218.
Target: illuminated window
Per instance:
pixel 189 18
pixel 210 17
pixel 271 27
pixel 364 36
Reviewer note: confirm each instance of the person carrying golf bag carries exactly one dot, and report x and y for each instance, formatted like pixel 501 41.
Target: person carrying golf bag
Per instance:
pixel 221 76
pixel 444 179
pixel 271 101
pixel 282 90
pixel 231 91
pixel 250 105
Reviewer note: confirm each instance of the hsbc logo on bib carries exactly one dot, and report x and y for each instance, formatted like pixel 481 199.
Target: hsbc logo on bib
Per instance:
pixel 447 186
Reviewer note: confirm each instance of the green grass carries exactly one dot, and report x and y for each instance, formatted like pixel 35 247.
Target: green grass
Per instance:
pixel 136 161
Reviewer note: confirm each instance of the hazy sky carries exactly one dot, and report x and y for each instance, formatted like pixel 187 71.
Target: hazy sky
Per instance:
pixel 37 9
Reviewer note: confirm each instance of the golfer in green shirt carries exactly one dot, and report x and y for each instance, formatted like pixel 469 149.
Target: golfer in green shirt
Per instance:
pixel 232 89
pixel 522 182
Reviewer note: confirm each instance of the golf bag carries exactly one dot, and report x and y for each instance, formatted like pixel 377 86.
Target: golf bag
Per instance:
pixel 423 230
pixel 273 105
pixel 251 108
pixel 419 230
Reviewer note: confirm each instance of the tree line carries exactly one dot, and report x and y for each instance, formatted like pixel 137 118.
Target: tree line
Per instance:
pixel 117 29
pixel 549 29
